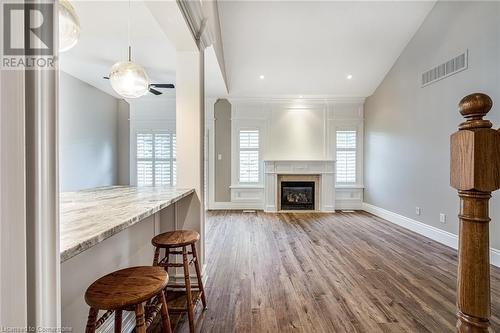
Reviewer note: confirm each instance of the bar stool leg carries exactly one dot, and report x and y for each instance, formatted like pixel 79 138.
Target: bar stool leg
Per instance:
pixel 156 257
pixel 91 321
pixel 198 275
pixel 140 325
pixel 165 318
pixel 118 321
pixel 167 258
pixel 189 296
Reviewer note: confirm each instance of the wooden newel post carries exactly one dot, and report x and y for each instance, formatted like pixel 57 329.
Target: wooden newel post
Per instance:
pixel 475 173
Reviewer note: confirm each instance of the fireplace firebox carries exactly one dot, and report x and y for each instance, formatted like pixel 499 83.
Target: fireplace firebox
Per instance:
pixel 297 195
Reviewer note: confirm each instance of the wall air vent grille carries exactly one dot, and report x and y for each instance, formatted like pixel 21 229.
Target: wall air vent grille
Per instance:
pixel 446 69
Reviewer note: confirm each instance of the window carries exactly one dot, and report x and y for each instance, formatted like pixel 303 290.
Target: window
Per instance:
pixel 155 159
pixel 346 157
pixel 249 156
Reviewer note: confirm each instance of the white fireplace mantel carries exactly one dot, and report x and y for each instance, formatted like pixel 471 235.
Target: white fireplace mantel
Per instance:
pixel 325 169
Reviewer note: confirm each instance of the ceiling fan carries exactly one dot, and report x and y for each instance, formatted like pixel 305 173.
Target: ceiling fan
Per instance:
pixel 154 85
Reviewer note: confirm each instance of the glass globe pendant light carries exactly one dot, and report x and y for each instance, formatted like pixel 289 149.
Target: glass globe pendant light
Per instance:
pixel 127 78
pixel 69 26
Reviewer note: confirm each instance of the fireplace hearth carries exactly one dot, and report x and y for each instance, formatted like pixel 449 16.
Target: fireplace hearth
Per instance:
pixel 297 195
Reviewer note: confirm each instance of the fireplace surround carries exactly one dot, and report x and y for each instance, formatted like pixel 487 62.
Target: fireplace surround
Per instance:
pixel 298 192
pixel 320 172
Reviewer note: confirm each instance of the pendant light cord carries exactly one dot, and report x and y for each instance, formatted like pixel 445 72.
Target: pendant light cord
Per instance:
pixel 128 34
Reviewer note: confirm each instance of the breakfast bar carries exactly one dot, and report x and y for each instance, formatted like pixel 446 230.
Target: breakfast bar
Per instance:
pixel 109 228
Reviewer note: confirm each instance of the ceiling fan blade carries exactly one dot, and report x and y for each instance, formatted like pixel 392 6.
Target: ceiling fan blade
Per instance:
pixel 162 85
pixel 154 91
pixel 105 77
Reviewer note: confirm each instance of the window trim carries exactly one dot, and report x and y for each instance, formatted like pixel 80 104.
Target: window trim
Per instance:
pixel 172 160
pixel 258 149
pixel 356 150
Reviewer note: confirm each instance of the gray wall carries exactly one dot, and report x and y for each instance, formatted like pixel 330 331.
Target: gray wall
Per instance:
pixel 88 136
pixel 222 115
pixel 123 143
pixel 407 127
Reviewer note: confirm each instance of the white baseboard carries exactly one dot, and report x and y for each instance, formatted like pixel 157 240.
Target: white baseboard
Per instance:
pixel 436 234
pixel 270 209
pixel 441 236
pixel 495 257
pixel 235 205
pixel 348 204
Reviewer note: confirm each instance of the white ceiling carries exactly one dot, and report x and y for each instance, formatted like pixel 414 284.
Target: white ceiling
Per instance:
pixel 103 41
pixel 308 48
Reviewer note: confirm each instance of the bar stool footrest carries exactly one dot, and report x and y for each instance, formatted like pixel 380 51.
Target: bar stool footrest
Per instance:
pixel 170 265
pixel 179 252
pixel 151 311
pixel 177 300
pixel 164 263
pixel 102 319
pixel 183 286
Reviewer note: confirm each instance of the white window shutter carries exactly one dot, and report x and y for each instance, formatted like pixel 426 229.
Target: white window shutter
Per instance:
pixel 346 156
pixel 144 145
pixel 249 161
pixel 249 139
pixel 162 146
pixel 249 166
pixel 144 173
pixel 155 159
pixel 174 161
pixel 162 173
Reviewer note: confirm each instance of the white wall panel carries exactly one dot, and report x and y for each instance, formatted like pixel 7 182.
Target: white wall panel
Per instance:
pixel 290 130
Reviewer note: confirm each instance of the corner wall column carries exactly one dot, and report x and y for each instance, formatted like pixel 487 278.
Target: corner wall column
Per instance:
pixel 190 127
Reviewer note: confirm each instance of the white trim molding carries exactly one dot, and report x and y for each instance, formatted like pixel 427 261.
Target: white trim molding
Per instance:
pixel 235 205
pixel 436 234
pixel 290 98
pixel 325 169
pixel 348 197
pixel 13 242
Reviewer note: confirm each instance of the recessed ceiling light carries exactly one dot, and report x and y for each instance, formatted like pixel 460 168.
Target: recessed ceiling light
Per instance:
pixel 261 77
pixel 349 76
pixel 301 96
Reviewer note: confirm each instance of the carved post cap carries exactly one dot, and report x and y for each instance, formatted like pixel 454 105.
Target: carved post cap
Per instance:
pixel 475 105
pixel 475 148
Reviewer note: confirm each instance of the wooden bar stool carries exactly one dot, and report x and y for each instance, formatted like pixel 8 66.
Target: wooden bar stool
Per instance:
pixel 181 239
pixel 128 289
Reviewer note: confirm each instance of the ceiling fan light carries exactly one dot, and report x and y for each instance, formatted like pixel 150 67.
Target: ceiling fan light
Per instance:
pixel 129 80
pixel 69 26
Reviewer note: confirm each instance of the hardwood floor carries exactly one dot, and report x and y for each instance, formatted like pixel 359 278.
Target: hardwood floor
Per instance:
pixel 343 272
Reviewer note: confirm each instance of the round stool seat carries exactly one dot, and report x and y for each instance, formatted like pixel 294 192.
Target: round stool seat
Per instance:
pixel 176 238
pixel 126 287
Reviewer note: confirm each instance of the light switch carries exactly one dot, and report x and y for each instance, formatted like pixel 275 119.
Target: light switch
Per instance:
pixel 219 157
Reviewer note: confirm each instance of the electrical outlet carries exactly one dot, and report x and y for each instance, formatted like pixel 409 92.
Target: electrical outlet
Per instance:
pixel 219 157
pixel 442 218
pixel 417 210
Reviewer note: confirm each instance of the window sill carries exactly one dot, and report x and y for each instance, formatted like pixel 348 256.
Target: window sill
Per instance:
pixel 349 186
pixel 249 186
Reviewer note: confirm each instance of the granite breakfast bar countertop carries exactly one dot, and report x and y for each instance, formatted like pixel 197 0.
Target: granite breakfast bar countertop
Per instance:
pixel 90 216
